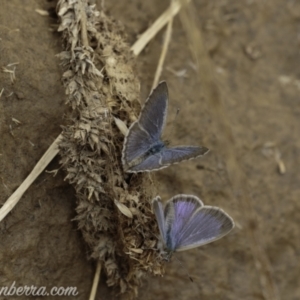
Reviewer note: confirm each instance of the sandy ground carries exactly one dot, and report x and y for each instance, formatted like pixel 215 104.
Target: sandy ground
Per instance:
pixel 254 49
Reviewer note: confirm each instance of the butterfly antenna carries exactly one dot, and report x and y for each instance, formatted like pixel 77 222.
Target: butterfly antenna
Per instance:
pixel 186 271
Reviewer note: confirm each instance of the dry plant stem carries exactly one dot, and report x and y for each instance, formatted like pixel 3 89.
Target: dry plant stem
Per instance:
pixel 149 34
pixel 84 37
pixel 95 281
pixel 163 52
pixel 37 170
pixel 236 175
pixel 138 46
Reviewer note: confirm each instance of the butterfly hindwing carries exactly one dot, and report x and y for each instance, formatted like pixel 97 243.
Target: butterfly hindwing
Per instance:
pixel 206 225
pixel 151 163
pixel 159 214
pixel 181 153
pixel 167 157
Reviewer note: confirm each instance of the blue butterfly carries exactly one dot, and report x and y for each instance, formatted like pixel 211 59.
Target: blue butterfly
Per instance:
pixel 143 149
pixel 187 223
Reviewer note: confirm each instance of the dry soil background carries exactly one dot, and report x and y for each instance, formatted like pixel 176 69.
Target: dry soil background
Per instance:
pixel 255 49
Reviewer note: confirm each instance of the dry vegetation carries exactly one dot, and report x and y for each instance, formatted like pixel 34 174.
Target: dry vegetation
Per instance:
pixel 113 209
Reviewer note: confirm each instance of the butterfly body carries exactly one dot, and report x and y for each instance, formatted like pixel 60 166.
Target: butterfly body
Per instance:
pixel 143 149
pixel 156 148
pixel 187 223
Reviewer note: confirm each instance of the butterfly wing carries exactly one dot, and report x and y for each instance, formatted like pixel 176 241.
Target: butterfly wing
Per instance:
pixel 151 163
pixel 180 153
pixel 178 212
pixel 159 214
pixel 154 113
pixel 206 225
pixel 167 157
pixel 146 131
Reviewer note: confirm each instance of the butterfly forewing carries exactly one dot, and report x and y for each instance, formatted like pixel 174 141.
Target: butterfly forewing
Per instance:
pixel 207 224
pixel 153 116
pixel 178 212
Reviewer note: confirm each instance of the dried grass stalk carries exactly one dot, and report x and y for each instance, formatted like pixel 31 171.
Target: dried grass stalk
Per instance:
pixel 100 84
pixel 37 170
pixel 164 51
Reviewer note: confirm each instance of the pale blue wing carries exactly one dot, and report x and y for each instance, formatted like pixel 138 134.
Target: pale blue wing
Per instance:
pixel 146 131
pixel 150 163
pixel 178 212
pixel 168 156
pixel 180 153
pixel 159 214
pixel 136 144
pixel 154 113
pixel 206 225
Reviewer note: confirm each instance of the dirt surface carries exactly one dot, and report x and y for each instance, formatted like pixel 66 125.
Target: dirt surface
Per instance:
pixel 254 50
